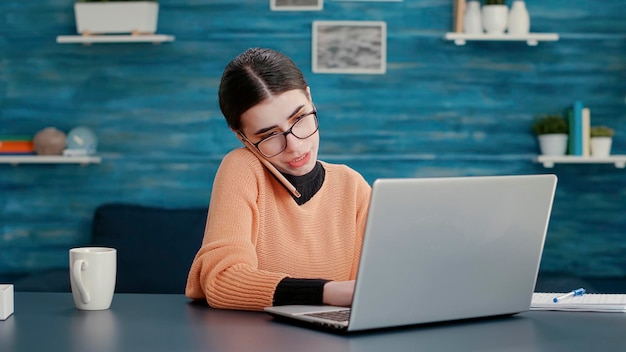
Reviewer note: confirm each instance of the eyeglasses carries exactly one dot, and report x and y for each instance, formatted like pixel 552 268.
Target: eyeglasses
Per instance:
pixel 305 126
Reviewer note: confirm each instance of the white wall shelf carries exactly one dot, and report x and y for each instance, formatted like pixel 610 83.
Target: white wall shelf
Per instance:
pixel 49 159
pixel 532 39
pixel 549 160
pixel 114 38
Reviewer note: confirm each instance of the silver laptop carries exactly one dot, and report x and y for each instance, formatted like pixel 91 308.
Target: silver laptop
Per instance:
pixel 443 249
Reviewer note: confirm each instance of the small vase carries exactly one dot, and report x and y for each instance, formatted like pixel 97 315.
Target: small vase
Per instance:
pixel 472 22
pixel 494 19
pixel 519 20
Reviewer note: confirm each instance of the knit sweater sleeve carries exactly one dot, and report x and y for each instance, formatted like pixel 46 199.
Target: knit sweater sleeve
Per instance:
pixel 225 270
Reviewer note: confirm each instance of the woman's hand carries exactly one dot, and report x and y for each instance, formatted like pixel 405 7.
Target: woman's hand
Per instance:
pixel 338 293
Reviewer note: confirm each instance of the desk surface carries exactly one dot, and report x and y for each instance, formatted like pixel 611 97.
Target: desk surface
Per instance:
pixel 143 322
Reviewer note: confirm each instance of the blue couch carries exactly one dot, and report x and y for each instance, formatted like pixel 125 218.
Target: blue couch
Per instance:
pixel 155 248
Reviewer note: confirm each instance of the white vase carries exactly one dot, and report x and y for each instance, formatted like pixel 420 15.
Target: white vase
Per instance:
pixel 472 20
pixel 519 20
pixel 494 18
pixel 601 146
pixel 553 144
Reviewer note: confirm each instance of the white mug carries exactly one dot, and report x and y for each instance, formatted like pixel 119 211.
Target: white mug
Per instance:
pixel 92 277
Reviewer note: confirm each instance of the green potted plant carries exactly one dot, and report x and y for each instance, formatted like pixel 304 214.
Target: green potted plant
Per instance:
pixel 601 131
pixel 552 133
pixel 116 16
pixel 601 139
pixel 495 16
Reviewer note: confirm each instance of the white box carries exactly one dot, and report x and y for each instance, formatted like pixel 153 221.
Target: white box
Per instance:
pixel 6 301
pixel 116 17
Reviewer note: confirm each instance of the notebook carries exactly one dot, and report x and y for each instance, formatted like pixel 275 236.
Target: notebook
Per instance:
pixel 443 249
pixel 589 302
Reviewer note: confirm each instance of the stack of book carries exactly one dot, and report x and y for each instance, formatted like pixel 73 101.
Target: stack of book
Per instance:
pixel 16 145
pixel 579 118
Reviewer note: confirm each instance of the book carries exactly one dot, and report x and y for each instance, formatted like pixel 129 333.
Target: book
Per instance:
pixel 586 131
pixel 16 146
pixel 459 12
pixel 589 302
pixel 575 121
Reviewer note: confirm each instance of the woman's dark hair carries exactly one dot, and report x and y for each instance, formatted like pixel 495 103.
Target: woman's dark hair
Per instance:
pixel 252 77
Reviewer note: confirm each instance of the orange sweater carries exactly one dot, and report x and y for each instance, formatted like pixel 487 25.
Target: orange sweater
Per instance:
pixel 256 234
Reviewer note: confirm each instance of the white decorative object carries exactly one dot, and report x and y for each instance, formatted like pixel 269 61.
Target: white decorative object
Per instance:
pixel 472 20
pixel 494 18
pixel 601 146
pixel 6 301
pixel 519 20
pixel 553 144
pixel 135 17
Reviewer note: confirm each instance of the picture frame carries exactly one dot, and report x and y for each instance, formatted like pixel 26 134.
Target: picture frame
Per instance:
pixel 296 5
pixel 352 47
pixel 367 0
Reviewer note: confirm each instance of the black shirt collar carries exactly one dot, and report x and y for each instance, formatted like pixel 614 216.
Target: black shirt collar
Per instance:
pixel 308 184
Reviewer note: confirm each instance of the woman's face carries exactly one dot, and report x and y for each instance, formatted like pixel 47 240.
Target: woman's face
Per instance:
pixel 275 115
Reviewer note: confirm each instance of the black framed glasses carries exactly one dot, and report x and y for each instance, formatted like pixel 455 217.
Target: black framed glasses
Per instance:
pixel 305 126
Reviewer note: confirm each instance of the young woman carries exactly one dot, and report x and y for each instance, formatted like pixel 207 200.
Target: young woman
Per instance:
pixel 263 244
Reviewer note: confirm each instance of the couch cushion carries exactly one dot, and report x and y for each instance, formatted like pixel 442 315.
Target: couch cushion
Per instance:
pixel 155 246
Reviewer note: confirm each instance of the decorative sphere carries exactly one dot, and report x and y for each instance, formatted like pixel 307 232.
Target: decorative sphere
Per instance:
pixel 82 138
pixel 49 141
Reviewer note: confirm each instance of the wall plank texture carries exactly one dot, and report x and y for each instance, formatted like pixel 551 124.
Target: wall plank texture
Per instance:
pixel 439 110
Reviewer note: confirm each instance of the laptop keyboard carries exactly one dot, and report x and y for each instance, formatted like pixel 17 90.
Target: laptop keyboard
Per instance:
pixel 339 315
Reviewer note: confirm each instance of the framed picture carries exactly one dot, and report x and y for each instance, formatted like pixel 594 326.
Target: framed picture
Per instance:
pixel 368 0
pixel 296 5
pixel 349 47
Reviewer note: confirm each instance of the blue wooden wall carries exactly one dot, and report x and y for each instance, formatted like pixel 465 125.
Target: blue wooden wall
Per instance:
pixel 440 110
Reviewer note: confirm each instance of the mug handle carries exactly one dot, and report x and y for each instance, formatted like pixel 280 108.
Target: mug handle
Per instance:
pixel 80 265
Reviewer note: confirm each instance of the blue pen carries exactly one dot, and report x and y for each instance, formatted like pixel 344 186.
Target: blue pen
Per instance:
pixel 579 292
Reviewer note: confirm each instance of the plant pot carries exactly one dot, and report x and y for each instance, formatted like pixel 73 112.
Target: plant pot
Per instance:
pixel 116 17
pixel 553 144
pixel 495 18
pixel 601 146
